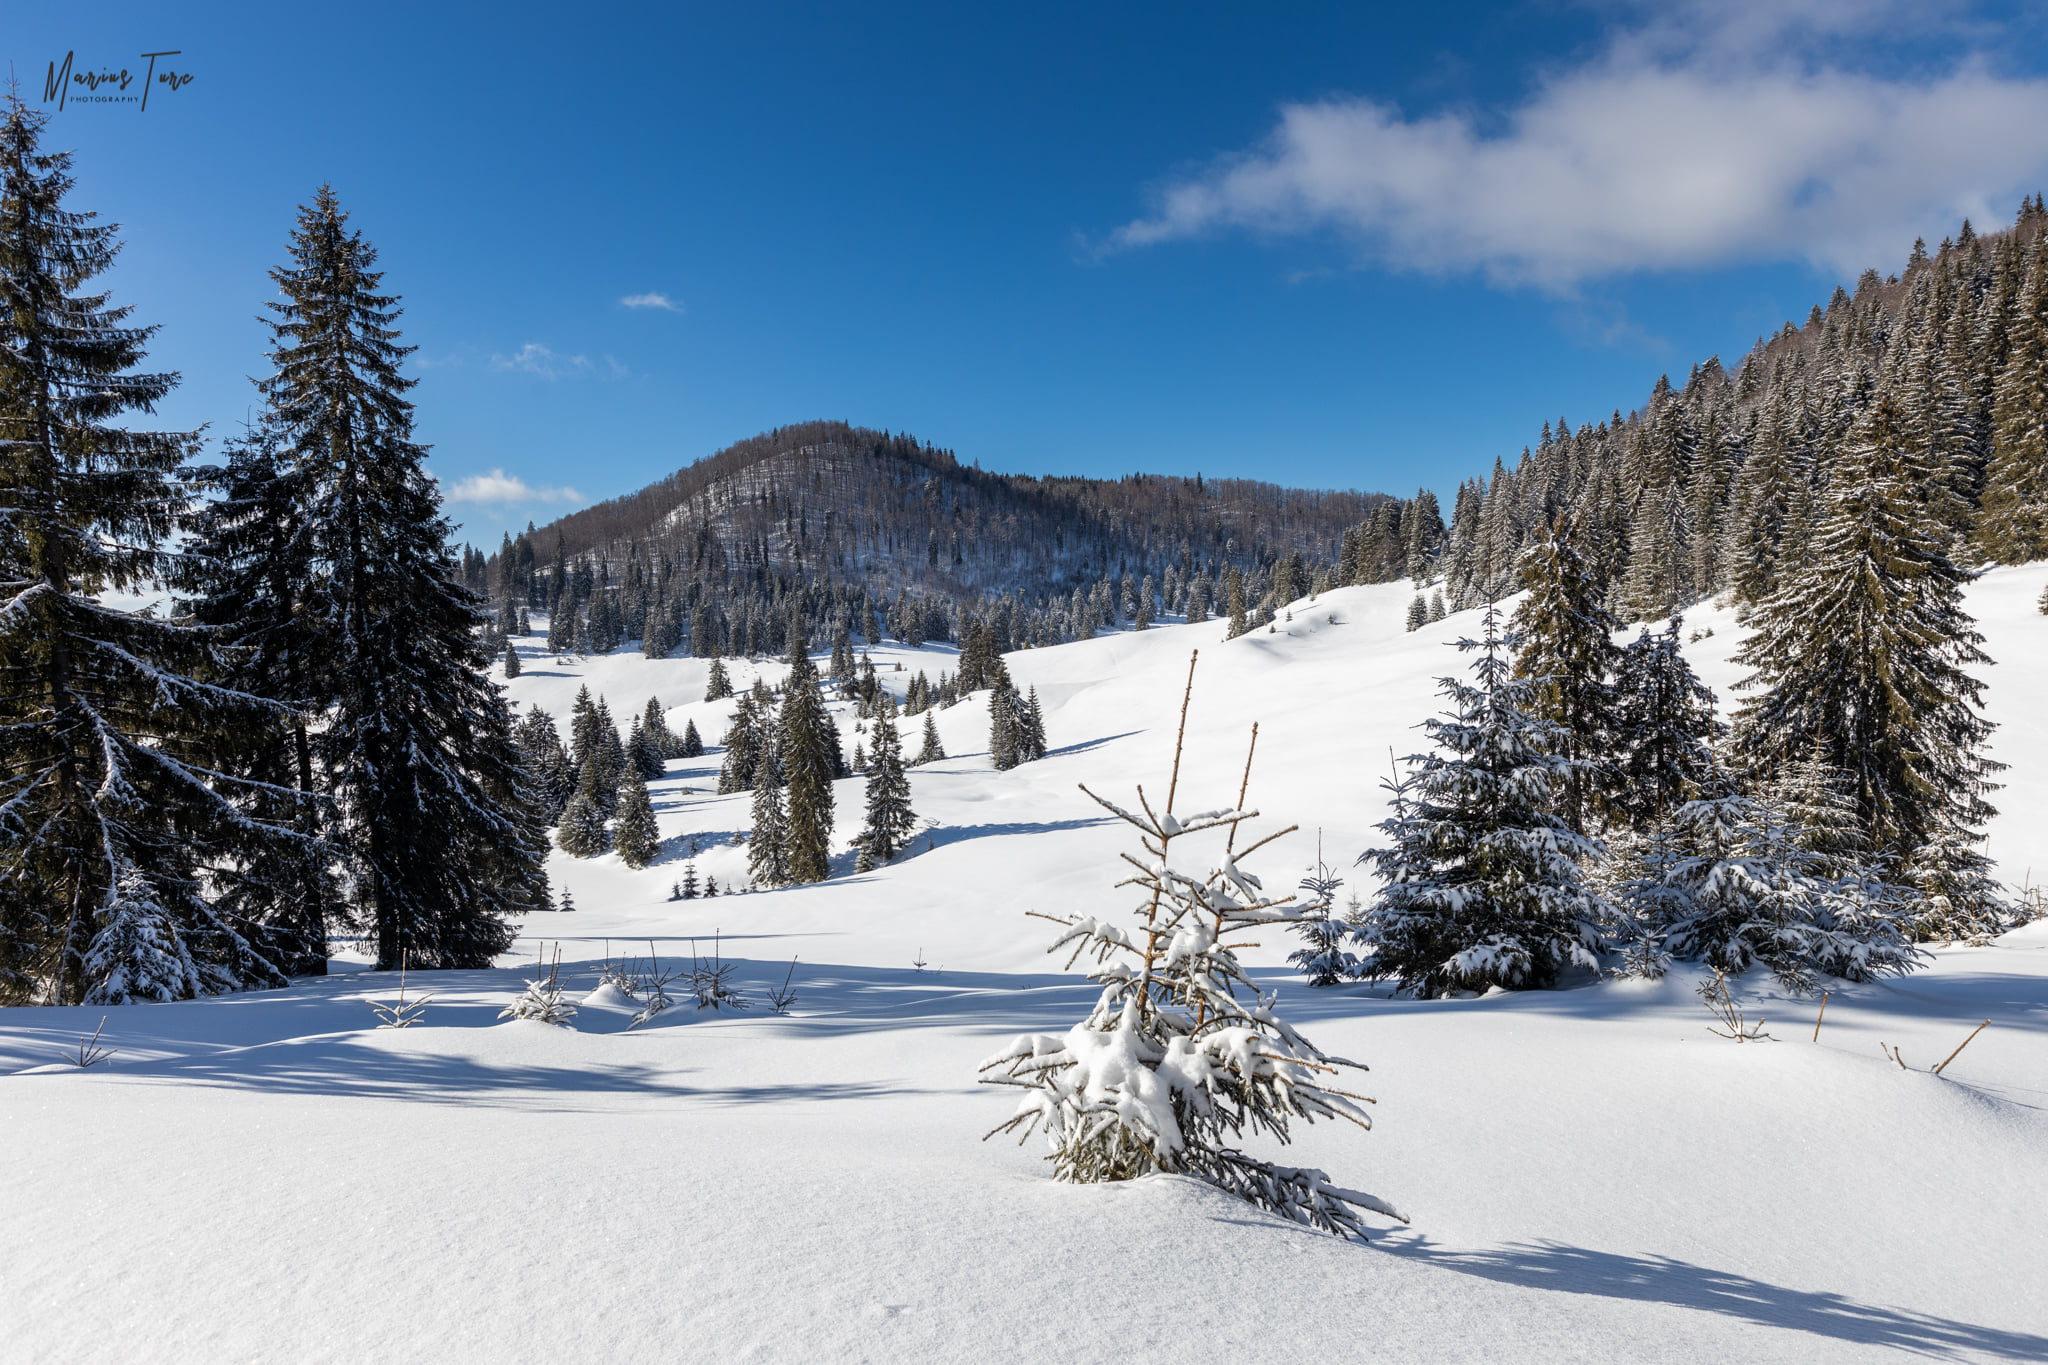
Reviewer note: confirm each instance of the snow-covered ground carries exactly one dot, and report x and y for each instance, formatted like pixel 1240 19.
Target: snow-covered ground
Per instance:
pixel 1590 1173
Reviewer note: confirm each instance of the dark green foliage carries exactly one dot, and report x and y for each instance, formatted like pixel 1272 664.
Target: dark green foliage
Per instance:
pixel 1482 884
pixel 768 860
pixel 637 838
pixel 548 769
pixel 930 750
pixel 719 685
pixel 692 744
pixel 890 819
pixel 1863 657
pixel 810 760
pixel 1568 655
pixel 1664 730
pixel 416 747
pixel 127 870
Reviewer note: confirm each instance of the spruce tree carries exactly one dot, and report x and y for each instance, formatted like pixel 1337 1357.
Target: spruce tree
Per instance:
pixel 768 844
pixel 250 567
pixel 1864 654
pixel 1568 656
pixel 890 820
pixel 637 838
pixel 1664 730
pixel 417 747
pixel 808 768
pixel 719 685
pixel 743 743
pixel 549 771
pixel 692 745
pixel 1482 884
pixel 1003 706
pixel 511 661
pixel 582 832
pixel 2013 525
pixel 118 836
pixel 930 750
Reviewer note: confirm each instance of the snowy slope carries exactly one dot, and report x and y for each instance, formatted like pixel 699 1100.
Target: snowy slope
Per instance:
pixel 1591 1175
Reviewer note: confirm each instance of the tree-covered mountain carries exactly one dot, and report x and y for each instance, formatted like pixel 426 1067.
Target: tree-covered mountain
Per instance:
pixel 840 521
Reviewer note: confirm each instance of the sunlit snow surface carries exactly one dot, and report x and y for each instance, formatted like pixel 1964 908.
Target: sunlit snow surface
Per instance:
pixel 1592 1175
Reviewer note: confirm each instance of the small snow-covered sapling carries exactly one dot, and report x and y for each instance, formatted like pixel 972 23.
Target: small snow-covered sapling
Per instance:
pixel 91 1052
pixel 403 1013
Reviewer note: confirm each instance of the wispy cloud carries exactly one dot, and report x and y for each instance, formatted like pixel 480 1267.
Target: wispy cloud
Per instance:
pixel 499 488
pixel 661 301
pixel 1719 134
pixel 534 358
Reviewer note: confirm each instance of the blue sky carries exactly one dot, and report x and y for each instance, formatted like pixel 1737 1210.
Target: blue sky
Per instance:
pixel 1340 246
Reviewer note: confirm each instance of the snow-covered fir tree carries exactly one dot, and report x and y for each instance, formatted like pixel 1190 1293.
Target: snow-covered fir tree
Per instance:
pixel 930 750
pixel 743 742
pixel 719 685
pixel 1568 655
pixel 582 831
pixel 768 841
pixel 1482 883
pixel 890 820
pixel 637 838
pixel 250 567
pixel 1322 958
pixel 445 839
pixel 548 768
pixel 810 760
pixel 692 743
pixel 1730 882
pixel 116 839
pixel 1664 730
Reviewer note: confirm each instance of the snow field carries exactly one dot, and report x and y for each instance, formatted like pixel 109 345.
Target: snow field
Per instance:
pixel 1591 1174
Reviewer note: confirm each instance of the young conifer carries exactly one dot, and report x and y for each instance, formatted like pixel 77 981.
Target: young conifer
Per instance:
pixel 692 745
pixel 890 820
pixel 637 837
pixel 719 685
pixel 930 750
pixel 1482 884
pixel 768 843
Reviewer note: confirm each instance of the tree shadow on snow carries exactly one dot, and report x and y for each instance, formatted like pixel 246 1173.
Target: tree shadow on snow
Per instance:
pixel 346 1067
pixel 1566 1269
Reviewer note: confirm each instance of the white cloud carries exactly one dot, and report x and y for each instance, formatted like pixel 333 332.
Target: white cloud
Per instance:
pixel 1689 142
pixel 534 358
pixel 652 301
pixel 499 488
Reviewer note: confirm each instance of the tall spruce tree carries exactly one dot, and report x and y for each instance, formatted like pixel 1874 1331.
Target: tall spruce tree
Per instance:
pixel 416 747
pixel 1568 656
pixel 768 843
pixel 890 819
pixel 118 835
pixel 930 750
pixel 1482 882
pixel 2013 525
pixel 809 764
pixel 1864 654
pixel 251 568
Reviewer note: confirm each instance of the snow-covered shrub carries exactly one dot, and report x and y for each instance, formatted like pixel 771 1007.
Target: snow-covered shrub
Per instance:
pixel 1733 883
pixel 1181 1055
pixel 542 999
